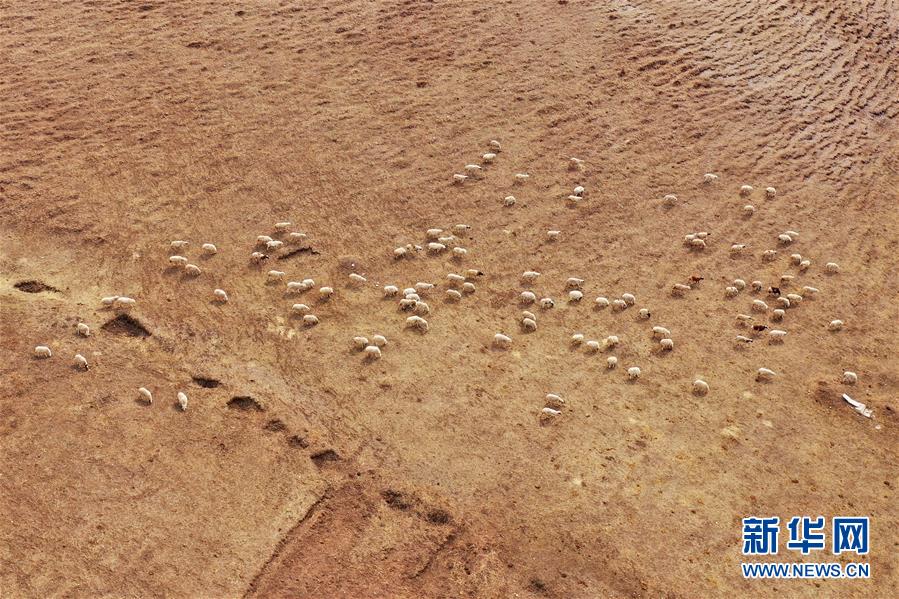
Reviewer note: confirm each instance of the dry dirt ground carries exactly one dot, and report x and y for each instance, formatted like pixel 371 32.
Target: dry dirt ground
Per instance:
pixel 301 470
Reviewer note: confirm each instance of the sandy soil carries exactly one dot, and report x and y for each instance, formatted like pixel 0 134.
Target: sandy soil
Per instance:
pixel 126 125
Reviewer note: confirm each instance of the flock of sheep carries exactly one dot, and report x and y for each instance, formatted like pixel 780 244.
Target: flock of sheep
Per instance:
pixel 785 294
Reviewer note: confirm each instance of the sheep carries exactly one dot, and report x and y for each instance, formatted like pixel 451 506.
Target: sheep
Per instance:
pixel 502 341
pixel 447 240
pixel 579 191
pixel 274 244
pixel 407 304
pixel 660 332
pixel 42 351
pixel 669 200
pixel 618 305
pixel 325 293
pixel 83 329
pixel 421 287
pixel 629 298
pixel 472 273
pixel 282 226
pixel 744 319
pixel 209 249
pixel 80 362
pixel 792 234
pixel 454 279
pixel 459 253
pixel 748 210
pixel 453 295
pixel 391 290
pixel 300 308
pixel 145 394
pixel 258 257
pixel 777 315
pixel 764 375
pixel 360 342
pixel 679 289
pixel 849 377
pixel 473 170
pixel 698 244
pixel 804 265
pixel 810 292
pixel 178 245
pixel 633 373
pixel 574 283
pixel 408 291
pixel 263 239
pixel 509 201
pixel 417 322
pixel 835 325
pixel 739 284
pixel 436 248
pixel 220 295
pixel 468 288
pixel 785 239
pixel 373 352
pixel 575 164
pixel 547 303
pixel 794 298
pixel 124 302
pixel 178 261
pixel 356 278
pixel 552 235
pixel 602 302
pixel 529 325
pixel 757 286
pixel 743 339
pixel 495 145
pixel 379 340
pixel 575 296
pixel 296 236
pixel 526 314
pixel 770 192
pixel 529 276
pixel 310 320
pixel 527 297
pixel 459 179
pixel 644 314
pixel 769 255
pixel 759 306
pixel 275 275
pixel 554 401
pixel 688 239
pixel 776 335
pixel 700 387
pixel 611 362
pixel 192 270
pixel 731 291
pixel 521 177
pixel 489 157
pixel 577 338
pixel 784 302
pixel 737 248
pixel 182 401
pixel 832 268
pixel 547 414
pixel 421 308
pixel 593 345
pixel 745 190
pixel 709 178
pixel 296 287
pixel 110 300
pixel 399 252
pixel 611 341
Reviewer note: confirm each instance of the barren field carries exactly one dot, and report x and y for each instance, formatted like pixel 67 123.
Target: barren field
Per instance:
pixel 301 468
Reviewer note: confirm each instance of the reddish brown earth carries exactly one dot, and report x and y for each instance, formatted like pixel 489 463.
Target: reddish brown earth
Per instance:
pixel 126 125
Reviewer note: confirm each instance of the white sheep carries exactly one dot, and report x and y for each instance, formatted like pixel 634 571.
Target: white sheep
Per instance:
pixel 619 305
pixel 110 300
pixel 669 200
pixel 770 192
pixel 850 378
pixel 468 288
pixel 574 283
pixel 547 414
pixel 785 280
pixel 422 308
pixel 297 236
pixel 529 276
pixel 792 234
pixel 258 257
pixel 784 302
pixel 502 341
pixel 593 345
pixel 509 201
pixel 795 259
pixel 737 248
pixel 804 265
pixel 709 178
pixel 579 191
pixel 458 178
pixel 764 374
pixel 459 252
pixel 743 339
pixel 554 401
pixel 220 295
pixel 145 394
pixel 360 342
pixel 644 313
pixel 433 233
pixel 769 255
pixel 473 170
pixel 471 273
pixel 408 291
pixel 421 286
pixel 759 306
pixel 495 145
pixel 400 252
pixel 178 245
pixel 325 292
pixel 700 387
pixel 417 322
pixel 379 340
pixel 832 267
pixel 575 164
pixel 611 362
pixel 757 285
pixel 300 308
pixel 192 269
pixel 809 292
pixel 611 341
pixel 739 284
pixel 453 295
pixel 633 373
pixel 777 315
pixel 391 290
pixel 794 298
pixel 602 302
pixel 407 304
pixel 489 157
pixel 529 325
pixel 731 291
pixel 178 261
pixel 436 248
pixel 553 235
pixel 182 401
pixel 209 249
pixel 447 240
pixel 577 338
pixel 547 303
pixel 574 199
pixel 263 239
pixel 744 319
pixel 310 320
pixel 745 190
pixel 785 239
pixel 527 297
pixel 521 177
pixel 275 275
pixel 629 298
pixel 660 332
pixel 776 335
pixel 83 329
pixel 698 244
pixel 282 226
pixel 455 279
pixel 835 325
pixel 297 286
pixel 748 210
pixel 124 302
pixel 373 352
pixel 274 244
pixel 42 351
pixel 575 296
pixel 357 278
pixel 679 289
pixel 80 362
pixel 526 314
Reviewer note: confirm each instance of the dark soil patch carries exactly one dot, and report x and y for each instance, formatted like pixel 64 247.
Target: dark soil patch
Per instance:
pixel 123 324
pixel 323 457
pixel 35 287
pixel 244 402
pixel 207 382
